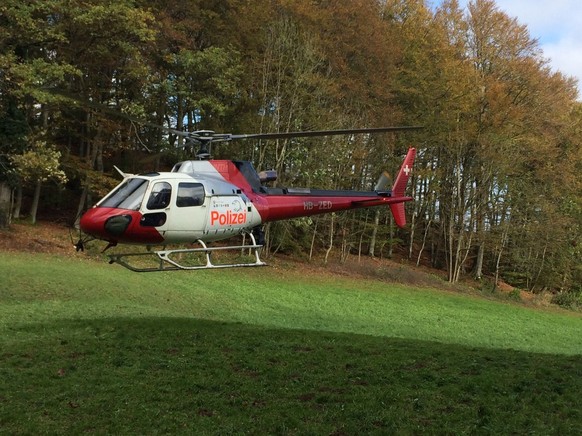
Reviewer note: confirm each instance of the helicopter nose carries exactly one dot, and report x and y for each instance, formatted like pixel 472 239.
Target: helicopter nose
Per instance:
pixel 104 223
pixel 117 225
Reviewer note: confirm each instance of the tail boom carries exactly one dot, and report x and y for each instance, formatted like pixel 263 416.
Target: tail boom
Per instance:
pixel 284 203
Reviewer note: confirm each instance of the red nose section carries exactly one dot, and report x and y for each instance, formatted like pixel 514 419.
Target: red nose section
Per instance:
pixel 119 225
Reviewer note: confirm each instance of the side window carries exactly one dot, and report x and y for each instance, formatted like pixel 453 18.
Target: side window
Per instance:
pixel 160 196
pixel 190 194
pixel 154 219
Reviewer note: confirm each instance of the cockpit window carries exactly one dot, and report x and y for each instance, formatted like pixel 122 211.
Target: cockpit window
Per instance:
pixel 190 194
pixel 128 195
pixel 160 196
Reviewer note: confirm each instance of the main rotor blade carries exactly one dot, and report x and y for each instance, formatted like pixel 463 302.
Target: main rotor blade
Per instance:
pixel 323 133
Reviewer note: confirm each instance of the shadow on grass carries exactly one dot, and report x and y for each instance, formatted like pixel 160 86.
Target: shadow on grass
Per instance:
pixel 172 375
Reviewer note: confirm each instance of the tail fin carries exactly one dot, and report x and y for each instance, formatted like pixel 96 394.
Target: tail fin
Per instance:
pixel 399 188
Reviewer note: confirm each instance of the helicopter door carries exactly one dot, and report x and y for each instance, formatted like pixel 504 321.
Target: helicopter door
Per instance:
pixel 228 216
pixel 187 219
pixel 157 207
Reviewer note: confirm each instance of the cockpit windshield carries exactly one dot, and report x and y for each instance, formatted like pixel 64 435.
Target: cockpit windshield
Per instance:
pixel 128 195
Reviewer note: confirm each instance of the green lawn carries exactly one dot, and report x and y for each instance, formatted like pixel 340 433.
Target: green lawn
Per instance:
pixel 90 347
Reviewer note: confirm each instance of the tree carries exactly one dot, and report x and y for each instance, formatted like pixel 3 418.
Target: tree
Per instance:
pixel 37 166
pixel 498 123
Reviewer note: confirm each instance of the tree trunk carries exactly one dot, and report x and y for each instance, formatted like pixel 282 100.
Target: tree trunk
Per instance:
pixel 313 240
pixel 482 196
pixel 540 269
pixel 479 261
pixel 268 240
pixel 330 239
pixel 81 206
pixel 35 200
pixel 374 232
pixel 413 223
pixel 5 196
pixel 361 241
pixel 426 230
pixel 498 260
pixel 17 202
pixel 391 237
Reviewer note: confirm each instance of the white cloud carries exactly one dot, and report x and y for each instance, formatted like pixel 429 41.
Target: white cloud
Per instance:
pixel 549 22
pixel 557 25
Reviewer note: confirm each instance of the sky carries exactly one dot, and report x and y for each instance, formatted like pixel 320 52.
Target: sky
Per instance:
pixel 557 25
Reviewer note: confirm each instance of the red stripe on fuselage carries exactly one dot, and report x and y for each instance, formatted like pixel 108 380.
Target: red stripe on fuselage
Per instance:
pixel 229 172
pixel 279 207
pixel 93 223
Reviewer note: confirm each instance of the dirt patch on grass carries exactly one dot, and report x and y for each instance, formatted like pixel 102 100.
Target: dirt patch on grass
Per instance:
pixel 43 237
pixel 365 267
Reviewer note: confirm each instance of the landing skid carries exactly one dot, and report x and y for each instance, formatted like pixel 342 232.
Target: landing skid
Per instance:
pixel 166 260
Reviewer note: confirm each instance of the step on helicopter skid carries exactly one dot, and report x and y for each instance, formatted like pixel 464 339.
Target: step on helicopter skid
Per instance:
pixel 206 200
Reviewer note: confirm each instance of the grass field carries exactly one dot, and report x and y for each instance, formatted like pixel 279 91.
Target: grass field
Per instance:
pixel 90 347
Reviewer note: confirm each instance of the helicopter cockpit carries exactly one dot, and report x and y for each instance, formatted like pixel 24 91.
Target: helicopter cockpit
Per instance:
pixel 128 195
pixel 131 192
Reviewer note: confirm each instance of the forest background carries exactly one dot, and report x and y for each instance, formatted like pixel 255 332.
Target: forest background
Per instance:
pixel 497 182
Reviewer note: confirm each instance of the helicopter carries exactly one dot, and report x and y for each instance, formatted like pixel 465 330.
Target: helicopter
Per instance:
pixel 203 201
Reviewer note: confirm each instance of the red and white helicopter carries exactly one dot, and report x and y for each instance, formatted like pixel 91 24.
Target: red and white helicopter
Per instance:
pixel 202 201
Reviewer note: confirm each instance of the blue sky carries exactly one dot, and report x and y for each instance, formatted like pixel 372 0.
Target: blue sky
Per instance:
pixel 558 27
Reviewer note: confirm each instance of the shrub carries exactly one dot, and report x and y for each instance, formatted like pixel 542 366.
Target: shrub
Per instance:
pixel 568 300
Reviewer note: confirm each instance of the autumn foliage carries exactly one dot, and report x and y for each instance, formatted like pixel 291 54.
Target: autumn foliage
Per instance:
pixel 497 184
